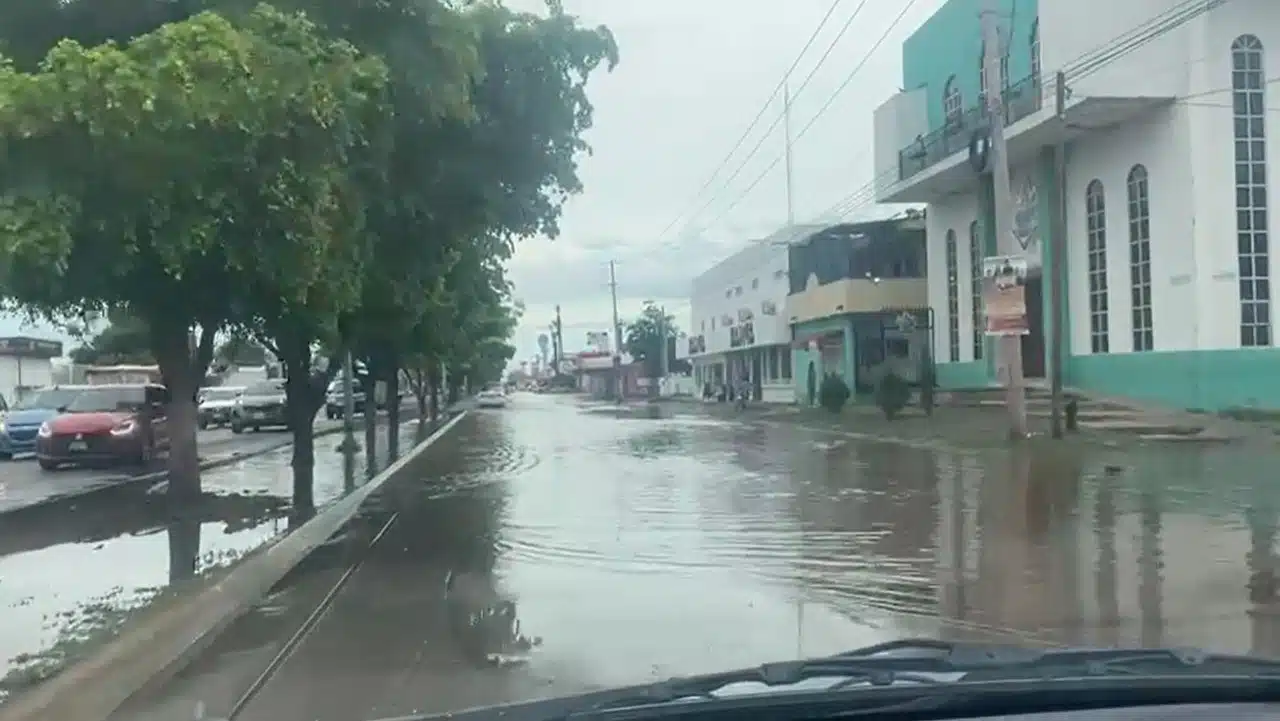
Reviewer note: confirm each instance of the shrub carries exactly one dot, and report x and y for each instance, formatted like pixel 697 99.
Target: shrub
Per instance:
pixel 834 393
pixel 892 395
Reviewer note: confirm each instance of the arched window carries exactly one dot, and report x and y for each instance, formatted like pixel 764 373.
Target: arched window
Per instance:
pixel 1095 202
pixel 1249 110
pixel 1140 258
pixel 953 298
pixel 975 289
pixel 982 75
pixel 1035 51
pixel 952 101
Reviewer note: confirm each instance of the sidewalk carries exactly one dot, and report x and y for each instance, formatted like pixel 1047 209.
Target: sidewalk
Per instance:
pixel 56 613
pixel 961 427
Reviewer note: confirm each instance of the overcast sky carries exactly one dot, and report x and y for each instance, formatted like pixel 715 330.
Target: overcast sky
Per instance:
pixel 693 74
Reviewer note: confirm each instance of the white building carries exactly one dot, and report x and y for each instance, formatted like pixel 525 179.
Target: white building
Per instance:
pixel 738 327
pixel 25 364
pixel 1170 123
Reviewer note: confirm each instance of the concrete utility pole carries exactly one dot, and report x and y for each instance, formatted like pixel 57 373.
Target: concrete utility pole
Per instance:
pixel 1009 347
pixel 1058 280
pixel 617 334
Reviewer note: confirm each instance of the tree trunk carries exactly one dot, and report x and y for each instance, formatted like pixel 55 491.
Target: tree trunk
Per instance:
pixel 433 385
pixel 393 411
pixel 184 544
pixel 182 369
pixel 302 402
pixel 371 418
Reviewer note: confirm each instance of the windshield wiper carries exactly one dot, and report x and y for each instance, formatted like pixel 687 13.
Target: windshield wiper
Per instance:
pixel 929 662
pixel 936 670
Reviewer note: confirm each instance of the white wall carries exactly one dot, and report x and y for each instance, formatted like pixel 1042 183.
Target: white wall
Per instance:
pixel 24 372
pixel 728 287
pixel 1073 30
pixel 955 213
pixel 897 122
pixel 1188 151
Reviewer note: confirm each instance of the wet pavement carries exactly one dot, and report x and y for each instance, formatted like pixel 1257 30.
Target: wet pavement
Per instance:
pixel 557 546
pixel 72 571
pixel 23 483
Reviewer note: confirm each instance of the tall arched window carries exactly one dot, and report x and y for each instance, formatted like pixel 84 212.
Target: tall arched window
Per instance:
pixel 1095 202
pixel 975 289
pixel 1249 109
pixel 1035 51
pixel 1140 258
pixel 952 101
pixel 953 298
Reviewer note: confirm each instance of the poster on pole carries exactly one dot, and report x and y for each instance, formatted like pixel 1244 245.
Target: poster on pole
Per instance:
pixel 1004 296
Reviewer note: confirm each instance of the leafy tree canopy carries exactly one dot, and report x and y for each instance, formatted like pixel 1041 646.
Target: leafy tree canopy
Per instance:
pixel 648 335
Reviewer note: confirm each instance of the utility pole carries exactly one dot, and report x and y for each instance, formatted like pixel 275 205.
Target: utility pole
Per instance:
pixel 786 130
pixel 617 333
pixel 1009 347
pixel 1058 253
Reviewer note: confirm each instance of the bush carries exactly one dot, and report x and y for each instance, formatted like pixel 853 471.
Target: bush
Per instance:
pixel 834 393
pixel 892 395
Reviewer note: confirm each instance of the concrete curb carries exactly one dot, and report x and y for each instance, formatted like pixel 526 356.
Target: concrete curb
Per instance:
pixel 113 482
pixel 147 654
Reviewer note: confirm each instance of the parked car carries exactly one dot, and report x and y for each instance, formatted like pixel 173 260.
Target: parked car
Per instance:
pixel 335 402
pixel 216 404
pixel 20 425
pixel 260 406
pixel 106 424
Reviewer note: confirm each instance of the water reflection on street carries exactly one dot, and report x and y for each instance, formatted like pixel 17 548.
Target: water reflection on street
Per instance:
pixel 594 546
pixel 73 571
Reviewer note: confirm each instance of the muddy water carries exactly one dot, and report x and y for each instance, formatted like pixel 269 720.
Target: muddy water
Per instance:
pixel 72 572
pixel 590 546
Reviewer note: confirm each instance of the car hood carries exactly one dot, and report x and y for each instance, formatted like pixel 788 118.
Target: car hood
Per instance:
pixel 261 400
pixel 87 422
pixel 218 404
pixel 28 416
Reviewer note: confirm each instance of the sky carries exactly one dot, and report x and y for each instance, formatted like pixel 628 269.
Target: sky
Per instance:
pixel 693 75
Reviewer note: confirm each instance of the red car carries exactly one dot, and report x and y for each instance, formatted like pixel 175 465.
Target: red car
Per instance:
pixel 106 424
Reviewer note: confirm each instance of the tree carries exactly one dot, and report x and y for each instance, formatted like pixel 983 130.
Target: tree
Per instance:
pixel 649 336
pixel 183 175
pixel 240 350
pixel 125 340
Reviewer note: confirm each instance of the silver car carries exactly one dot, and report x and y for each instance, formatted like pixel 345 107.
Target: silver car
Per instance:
pixel 260 406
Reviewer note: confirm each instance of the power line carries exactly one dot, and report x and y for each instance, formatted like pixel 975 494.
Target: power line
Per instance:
pixel 821 111
pixel 848 24
pixel 760 114
pixel 1086 64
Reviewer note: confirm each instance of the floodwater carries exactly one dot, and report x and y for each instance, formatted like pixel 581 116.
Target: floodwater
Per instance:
pixel 72 572
pixel 557 546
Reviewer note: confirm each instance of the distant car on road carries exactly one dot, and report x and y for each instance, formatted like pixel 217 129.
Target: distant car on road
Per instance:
pixel 106 424
pixel 491 398
pixel 20 425
pixel 260 406
pixel 216 405
pixel 335 401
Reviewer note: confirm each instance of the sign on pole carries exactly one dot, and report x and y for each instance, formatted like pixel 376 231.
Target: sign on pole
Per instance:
pixel 1004 296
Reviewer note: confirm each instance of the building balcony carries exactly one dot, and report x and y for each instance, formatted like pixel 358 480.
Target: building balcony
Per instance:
pixel 1020 100
pixel 862 295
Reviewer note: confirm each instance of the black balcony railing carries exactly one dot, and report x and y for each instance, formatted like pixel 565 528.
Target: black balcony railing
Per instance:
pixel 1020 100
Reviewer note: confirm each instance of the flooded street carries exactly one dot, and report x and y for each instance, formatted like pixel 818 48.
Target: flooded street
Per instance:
pixel 72 571
pixel 555 546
